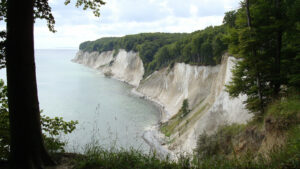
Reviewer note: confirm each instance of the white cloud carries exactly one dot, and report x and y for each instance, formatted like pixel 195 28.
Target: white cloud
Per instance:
pixel 68 36
pixel 121 17
pixel 53 2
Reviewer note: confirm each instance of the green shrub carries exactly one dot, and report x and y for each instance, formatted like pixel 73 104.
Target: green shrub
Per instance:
pixel 284 112
pixel 184 110
pixel 207 146
pixel 287 156
pixel 217 150
pixel 219 143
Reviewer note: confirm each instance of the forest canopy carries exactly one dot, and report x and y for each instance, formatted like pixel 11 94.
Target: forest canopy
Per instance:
pixel 158 50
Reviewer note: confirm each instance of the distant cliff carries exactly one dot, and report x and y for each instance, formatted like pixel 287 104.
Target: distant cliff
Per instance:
pixel 125 66
pixel 159 50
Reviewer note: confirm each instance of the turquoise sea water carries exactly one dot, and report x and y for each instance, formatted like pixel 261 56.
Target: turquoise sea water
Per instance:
pixel 106 110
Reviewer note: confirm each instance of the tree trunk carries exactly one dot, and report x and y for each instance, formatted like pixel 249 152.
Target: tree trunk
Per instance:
pixel 277 67
pixel 248 14
pixel 27 147
pixel 258 78
pixel 260 97
pixel 277 83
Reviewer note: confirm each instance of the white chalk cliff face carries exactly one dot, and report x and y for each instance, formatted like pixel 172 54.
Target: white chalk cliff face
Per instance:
pixel 203 86
pixel 170 87
pixel 125 66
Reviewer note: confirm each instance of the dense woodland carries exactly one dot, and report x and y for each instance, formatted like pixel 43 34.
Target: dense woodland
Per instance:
pixel 157 50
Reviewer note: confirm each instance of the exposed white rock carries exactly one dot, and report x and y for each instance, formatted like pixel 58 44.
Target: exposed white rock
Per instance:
pixel 203 86
pixel 222 109
pixel 94 59
pixel 171 87
pixel 153 137
pixel 125 66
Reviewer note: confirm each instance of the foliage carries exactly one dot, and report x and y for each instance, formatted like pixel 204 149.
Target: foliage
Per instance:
pixel 147 44
pixel 285 112
pixel 98 157
pixel 212 152
pixel 219 149
pixel 38 9
pixel 52 128
pixel 280 157
pixel 268 49
pixel 42 10
pixel 93 5
pixel 184 110
pixel 4 122
pixel 204 47
pixel 168 128
pixel 158 50
pixel 210 146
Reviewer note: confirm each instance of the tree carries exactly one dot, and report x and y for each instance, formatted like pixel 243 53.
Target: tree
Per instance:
pixel 27 145
pixel 184 110
pixel 249 76
pixel 265 38
pixel 229 19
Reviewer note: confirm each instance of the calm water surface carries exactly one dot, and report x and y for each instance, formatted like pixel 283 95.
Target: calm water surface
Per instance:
pixel 106 110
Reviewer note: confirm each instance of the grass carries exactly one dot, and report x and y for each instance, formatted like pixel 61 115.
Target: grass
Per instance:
pixel 285 112
pixel 284 157
pixel 289 155
pixel 191 120
pixel 169 127
pixel 98 157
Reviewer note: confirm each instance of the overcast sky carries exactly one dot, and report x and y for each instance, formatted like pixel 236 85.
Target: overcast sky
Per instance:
pixel 122 17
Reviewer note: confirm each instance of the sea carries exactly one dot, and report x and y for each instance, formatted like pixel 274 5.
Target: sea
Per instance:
pixel 109 115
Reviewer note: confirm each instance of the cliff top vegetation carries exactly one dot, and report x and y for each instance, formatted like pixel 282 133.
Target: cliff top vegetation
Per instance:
pixel 158 50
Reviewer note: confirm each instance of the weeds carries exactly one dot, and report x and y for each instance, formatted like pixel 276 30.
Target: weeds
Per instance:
pixel 99 157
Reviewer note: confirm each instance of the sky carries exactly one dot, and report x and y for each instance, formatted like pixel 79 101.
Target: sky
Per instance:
pixel 122 17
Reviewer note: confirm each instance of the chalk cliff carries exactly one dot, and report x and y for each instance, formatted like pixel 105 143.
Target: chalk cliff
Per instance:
pixel 124 66
pixel 203 86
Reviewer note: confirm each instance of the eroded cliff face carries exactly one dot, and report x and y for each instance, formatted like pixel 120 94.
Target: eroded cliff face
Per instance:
pixel 216 110
pixel 203 86
pixel 210 104
pixel 170 86
pixel 125 66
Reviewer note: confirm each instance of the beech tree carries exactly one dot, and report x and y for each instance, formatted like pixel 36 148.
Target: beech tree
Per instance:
pixel 265 36
pixel 27 146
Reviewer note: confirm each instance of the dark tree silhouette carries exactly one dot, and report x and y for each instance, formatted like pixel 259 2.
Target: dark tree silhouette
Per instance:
pixel 27 146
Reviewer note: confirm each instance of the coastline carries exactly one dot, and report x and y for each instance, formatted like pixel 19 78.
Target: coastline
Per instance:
pixel 152 136
pixel 164 114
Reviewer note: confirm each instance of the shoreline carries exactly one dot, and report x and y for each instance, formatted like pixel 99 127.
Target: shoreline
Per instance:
pixel 152 136
pixel 164 114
